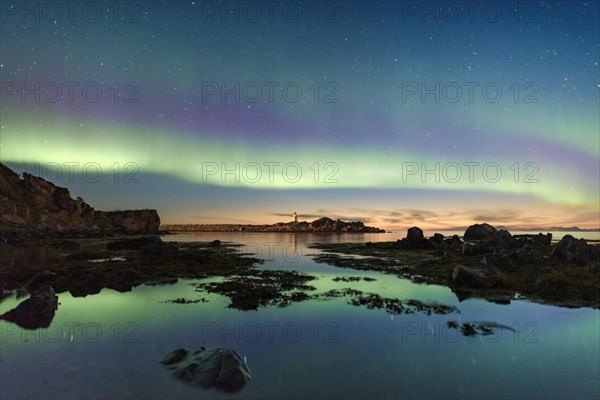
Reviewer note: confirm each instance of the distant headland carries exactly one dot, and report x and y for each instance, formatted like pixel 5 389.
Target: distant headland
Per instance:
pixel 319 225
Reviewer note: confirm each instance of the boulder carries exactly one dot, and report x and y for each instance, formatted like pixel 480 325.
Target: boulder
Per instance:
pixel 415 238
pixel 221 368
pixel 502 236
pixel 572 250
pixel 437 238
pixel 499 258
pixel 453 243
pixel 479 232
pixel 472 275
pixel 35 312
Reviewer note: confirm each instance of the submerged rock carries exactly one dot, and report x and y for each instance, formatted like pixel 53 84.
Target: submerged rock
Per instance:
pixel 35 312
pixel 221 368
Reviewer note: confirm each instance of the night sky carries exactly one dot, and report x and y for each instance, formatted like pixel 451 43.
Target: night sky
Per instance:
pixel 328 108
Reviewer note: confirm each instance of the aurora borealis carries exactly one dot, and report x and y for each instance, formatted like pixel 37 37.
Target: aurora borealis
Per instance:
pixel 326 108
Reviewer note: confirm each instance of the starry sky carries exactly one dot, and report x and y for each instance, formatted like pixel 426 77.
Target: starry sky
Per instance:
pixel 435 114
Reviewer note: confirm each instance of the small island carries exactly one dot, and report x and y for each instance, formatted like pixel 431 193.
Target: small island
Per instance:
pixel 319 225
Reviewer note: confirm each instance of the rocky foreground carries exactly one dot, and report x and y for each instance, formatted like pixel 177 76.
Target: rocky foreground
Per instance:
pixel 486 263
pixel 319 225
pixel 31 207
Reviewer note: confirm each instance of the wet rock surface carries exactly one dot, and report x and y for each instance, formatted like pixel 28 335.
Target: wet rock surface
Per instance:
pixel 212 367
pixel 35 312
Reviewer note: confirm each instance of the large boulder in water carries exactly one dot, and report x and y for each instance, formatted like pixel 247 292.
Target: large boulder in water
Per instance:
pixel 221 368
pixel 35 312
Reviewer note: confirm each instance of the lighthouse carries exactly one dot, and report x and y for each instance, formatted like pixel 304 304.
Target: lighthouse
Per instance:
pixel 295 217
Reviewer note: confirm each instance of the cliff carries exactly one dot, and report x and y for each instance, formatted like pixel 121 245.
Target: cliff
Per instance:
pixel 320 225
pixel 33 204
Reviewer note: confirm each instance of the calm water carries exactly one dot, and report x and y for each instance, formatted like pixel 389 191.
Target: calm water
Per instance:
pixel 108 345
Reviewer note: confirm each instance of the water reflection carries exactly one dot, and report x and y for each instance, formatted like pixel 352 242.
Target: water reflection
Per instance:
pixel 313 349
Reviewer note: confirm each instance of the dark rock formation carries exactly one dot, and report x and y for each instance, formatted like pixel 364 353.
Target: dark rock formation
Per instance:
pixel 498 259
pixel 472 275
pixel 477 247
pixel 32 204
pixel 414 237
pixel 479 232
pixel 454 243
pixel 535 240
pixel 40 279
pixel 415 240
pixel 437 238
pixel 130 222
pixel 574 250
pixel 221 368
pixel 35 312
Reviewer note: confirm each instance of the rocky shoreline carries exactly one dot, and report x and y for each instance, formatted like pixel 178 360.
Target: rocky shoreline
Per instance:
pixel 490 264
pixel 319 225
pixel 33 208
